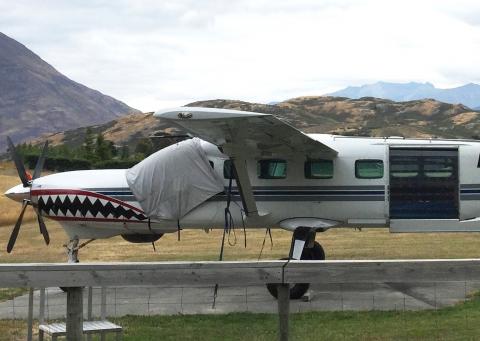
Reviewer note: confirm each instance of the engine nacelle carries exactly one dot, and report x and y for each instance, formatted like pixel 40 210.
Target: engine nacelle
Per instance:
pixel 142 238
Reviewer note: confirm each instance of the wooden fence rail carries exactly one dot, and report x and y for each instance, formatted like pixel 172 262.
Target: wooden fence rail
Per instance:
pixel 284 273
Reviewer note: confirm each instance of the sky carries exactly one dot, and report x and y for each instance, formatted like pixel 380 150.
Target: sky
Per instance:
pixel 153 54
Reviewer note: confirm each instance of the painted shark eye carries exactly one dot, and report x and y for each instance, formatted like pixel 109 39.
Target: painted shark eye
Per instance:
pixel 184 115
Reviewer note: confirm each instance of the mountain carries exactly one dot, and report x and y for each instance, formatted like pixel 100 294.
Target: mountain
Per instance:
pixel 126 130
pixel 368 116
pixel 35 98
pixel 320 114
pixel 468 94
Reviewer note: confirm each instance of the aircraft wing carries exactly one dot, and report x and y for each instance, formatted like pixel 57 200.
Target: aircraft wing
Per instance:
pixel 248 132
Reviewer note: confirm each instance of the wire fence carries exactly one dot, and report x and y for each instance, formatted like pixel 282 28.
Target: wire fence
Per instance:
pixel 408 310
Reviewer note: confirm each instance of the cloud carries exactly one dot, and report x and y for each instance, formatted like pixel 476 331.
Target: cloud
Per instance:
pixel 156 53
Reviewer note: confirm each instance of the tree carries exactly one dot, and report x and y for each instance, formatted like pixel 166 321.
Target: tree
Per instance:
pixel 88 144
pixel 144 147
pixel 62 151
pixel 124 152
pixel 113 149
pixel 103 148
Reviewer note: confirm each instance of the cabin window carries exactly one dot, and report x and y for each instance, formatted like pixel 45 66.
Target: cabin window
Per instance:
pixel 369 169
pixel 438 167
pixel 404 167
pixel 318 169
pixel 272 169
pixel 228 169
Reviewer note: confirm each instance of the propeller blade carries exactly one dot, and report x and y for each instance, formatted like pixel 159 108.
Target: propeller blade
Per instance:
pixel 43 228
pixel 18 163
pixel 40 162
pixel 16 229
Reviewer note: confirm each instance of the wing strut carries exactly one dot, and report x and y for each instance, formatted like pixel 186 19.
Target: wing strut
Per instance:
pixel 244 185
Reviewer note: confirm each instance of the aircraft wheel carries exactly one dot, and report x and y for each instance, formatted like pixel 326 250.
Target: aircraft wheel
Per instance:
pixel 317 252
pixel 297 290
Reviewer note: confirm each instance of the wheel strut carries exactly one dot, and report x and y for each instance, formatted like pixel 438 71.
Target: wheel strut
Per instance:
pixel 303 247
pixel 73 247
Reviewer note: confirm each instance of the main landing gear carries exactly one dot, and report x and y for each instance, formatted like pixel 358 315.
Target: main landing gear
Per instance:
pixel 303 247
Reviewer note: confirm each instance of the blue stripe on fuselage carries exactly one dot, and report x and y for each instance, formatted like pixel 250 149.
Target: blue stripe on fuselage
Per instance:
pixel 301 193
pixel 283 193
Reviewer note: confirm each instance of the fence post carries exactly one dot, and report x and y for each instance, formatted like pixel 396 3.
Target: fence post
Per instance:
pixel 89 309
pixel 283 300
pixel 103 309
pixel 75 314
pixel 41 313
pixel 30 314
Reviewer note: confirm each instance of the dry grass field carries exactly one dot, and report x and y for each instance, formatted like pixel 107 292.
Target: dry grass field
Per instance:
pixel 198 245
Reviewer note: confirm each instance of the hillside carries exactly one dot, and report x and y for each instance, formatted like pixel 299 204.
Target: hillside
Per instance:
pixel 126 130
pixel 468 94
pixel 35 98
pixel 366 117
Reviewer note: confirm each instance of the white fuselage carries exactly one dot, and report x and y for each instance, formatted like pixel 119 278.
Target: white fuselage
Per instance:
pixel 99 203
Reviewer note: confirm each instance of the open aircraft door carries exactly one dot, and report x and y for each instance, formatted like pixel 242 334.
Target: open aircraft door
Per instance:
pixel 423 187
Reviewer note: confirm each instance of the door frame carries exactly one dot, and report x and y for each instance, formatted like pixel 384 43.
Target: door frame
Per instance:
pixel 418 147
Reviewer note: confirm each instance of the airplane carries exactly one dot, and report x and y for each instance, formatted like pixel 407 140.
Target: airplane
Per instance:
pixel 254 170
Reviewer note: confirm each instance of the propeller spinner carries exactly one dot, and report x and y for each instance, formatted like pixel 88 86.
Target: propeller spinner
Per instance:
pixel 22 192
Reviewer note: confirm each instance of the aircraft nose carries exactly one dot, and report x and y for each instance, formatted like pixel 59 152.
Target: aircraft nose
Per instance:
pixel 18 193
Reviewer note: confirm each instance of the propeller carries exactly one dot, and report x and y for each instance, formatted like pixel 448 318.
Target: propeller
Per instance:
pixel 27 181
pixel 16 229
pixel 18 163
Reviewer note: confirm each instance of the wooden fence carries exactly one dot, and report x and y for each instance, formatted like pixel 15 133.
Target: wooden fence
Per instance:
pixel 76 276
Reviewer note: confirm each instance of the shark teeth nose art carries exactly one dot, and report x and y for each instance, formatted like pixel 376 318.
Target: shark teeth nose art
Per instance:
pixel 83 204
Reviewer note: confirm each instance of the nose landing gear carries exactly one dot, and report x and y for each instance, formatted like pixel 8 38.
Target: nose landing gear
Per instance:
pixel 72 248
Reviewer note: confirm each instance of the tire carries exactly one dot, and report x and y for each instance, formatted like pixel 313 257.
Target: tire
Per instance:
pixel 299 289
pixel 296 290
pixel 317 252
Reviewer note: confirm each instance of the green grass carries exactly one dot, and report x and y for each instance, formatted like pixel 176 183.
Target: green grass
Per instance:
pixel 460 322
pixel 9 293
pixel 13 330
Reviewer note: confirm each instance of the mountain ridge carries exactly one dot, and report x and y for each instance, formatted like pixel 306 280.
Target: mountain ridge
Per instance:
pixel 35 98
pixel 311 114
pixel 467 94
